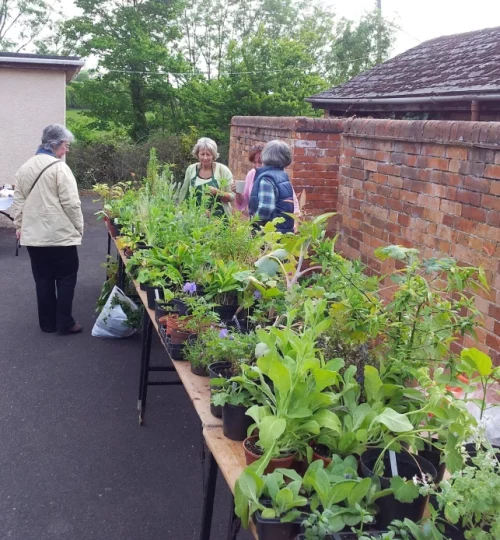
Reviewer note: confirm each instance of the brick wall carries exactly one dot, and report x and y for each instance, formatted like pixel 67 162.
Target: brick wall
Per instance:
pixel 431 185
pixel 315 144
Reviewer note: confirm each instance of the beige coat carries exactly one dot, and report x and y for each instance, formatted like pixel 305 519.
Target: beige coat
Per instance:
pixel 51 215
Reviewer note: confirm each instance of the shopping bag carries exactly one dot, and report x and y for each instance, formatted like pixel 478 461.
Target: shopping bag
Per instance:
pixel 113 321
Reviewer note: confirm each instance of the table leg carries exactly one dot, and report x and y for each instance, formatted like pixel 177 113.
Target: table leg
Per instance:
pixel 109 244
pixel 121 273
pixel 147 331
pixel 208 499
pixel 234 524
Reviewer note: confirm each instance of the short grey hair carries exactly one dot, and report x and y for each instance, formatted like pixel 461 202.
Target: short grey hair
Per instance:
pixel 276 154
pixel 54 135
pixel 205 144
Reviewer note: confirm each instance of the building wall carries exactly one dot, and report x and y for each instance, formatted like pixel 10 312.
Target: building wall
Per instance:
pixel 29 100
pixel 315 144
pixel 432 185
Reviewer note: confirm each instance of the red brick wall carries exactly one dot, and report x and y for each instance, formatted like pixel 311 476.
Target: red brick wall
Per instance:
pixel 315 144
pixel 431 185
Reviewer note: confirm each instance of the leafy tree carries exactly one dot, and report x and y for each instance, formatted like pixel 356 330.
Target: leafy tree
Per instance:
pixel 22 21
pixel 133 41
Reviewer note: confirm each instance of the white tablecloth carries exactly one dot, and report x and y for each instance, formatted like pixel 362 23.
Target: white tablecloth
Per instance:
pixel 6 203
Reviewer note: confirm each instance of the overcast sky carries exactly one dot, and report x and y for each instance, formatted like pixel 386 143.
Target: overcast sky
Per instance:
pixel 421 20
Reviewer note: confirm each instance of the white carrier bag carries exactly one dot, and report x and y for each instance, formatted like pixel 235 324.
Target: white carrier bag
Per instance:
pixel 112 321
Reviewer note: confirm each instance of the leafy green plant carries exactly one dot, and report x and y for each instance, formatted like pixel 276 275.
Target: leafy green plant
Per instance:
pixel 197 351
pixel 430 308
pixel 471 497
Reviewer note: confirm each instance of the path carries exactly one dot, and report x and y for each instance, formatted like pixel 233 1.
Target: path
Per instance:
pixel 74 464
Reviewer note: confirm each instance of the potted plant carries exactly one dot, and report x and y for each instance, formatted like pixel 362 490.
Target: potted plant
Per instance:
pixel 470 499
pixel 198 353
pixel 339 499
pixel 273 500
pixel 235 398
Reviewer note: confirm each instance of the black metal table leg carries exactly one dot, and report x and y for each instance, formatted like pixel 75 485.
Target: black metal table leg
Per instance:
pixel 147 332
pixel 234 524
pixel 209 498
pixel 109 243
pixel 121 273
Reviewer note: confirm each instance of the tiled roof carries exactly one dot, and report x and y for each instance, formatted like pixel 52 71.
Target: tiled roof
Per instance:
pixel 457 64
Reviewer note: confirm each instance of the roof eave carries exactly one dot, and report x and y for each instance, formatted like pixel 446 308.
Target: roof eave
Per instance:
pixel 69 66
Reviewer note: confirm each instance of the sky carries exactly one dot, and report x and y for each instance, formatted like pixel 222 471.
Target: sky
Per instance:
pixel 417 20
pixel 421 20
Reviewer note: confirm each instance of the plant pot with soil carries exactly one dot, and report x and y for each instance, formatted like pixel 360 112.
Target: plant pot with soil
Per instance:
pixel 404 466
pixel 154 293
pixel 253 452
pixel 218 370
pixel 235 422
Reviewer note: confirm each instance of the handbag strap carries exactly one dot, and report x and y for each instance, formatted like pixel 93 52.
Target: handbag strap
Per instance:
pixel 39 176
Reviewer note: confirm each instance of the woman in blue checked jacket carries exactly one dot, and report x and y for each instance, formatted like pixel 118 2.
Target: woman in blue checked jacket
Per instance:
pixel 272 192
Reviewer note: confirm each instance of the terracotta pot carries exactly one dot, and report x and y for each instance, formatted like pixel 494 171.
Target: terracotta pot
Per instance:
pixel 275 463
pixel 178 336
pixel 316 456
pixel 174 323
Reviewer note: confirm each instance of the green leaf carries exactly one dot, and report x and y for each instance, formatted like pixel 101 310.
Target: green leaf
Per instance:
pixel 342 491
pixel 359 492
pixel 373 384
pixel 478 360
pixel 335 365
pixel 280 376
pixel 270 430
pixel 404 491
pixel 396 422
pixel 328 420
pixel 325 378
pixel 268 513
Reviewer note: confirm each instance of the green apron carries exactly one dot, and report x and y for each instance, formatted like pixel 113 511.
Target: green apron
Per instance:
pixel 216 209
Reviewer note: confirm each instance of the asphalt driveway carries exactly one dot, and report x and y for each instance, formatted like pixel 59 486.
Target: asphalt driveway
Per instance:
pixel 74 463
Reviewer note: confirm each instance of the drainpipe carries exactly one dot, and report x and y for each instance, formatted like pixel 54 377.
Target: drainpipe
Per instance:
pixel 474 110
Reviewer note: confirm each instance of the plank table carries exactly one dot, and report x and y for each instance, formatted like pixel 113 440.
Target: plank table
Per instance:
pixel 223 454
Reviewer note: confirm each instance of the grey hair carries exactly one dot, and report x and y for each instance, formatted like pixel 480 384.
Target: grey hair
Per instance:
pixel 205 144
pixel 276 154
pixel 54 135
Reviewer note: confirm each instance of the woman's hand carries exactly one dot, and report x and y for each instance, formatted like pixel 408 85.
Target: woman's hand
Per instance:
pixel 233 187
pixel 18 234
pixel 213 191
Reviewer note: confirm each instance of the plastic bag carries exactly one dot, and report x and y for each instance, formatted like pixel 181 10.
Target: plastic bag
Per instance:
pixel 112 321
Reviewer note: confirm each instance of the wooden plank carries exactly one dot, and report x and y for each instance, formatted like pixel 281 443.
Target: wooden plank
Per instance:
pixel 228 454
pixel 197 388
pixel 230 458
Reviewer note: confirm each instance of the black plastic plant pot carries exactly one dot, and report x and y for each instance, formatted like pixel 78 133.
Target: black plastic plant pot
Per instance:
pixel 235 422
pixel 273 529
pixel 471 450
pixel 199 370
pixel 162 309
pixel 180 306
pixel 215 371
pixel 153 293
pixel 143 286
pixel 433 456
pixel 143 245
pixel 408 465
pixel 226 313
pixel 175 351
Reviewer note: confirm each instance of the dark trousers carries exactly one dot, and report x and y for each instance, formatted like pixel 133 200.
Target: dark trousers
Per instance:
pixel 55 270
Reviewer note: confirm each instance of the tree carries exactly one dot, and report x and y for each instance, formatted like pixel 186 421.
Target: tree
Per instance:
pixel 134 41
pixel 22 21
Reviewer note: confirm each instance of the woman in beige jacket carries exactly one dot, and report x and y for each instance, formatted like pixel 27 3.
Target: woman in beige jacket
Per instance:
pixel 49 222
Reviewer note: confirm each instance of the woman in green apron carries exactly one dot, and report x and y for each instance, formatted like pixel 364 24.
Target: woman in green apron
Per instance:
pixel 208 176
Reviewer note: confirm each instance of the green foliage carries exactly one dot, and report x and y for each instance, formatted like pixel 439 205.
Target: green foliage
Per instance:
pixel 471 497
pixel 22 21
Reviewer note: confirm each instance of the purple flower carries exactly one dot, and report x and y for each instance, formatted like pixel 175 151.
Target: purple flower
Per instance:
pixel 257 295
pixel 189 287
pixel 223 333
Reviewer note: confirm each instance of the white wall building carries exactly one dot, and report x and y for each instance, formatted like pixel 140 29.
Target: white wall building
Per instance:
pixel 32 95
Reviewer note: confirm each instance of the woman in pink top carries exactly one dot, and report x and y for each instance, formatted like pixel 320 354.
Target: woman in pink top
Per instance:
pixel 242 199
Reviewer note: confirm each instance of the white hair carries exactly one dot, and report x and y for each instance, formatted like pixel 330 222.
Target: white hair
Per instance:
pixel 54 135
pixel 276 154
pixel 205 144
